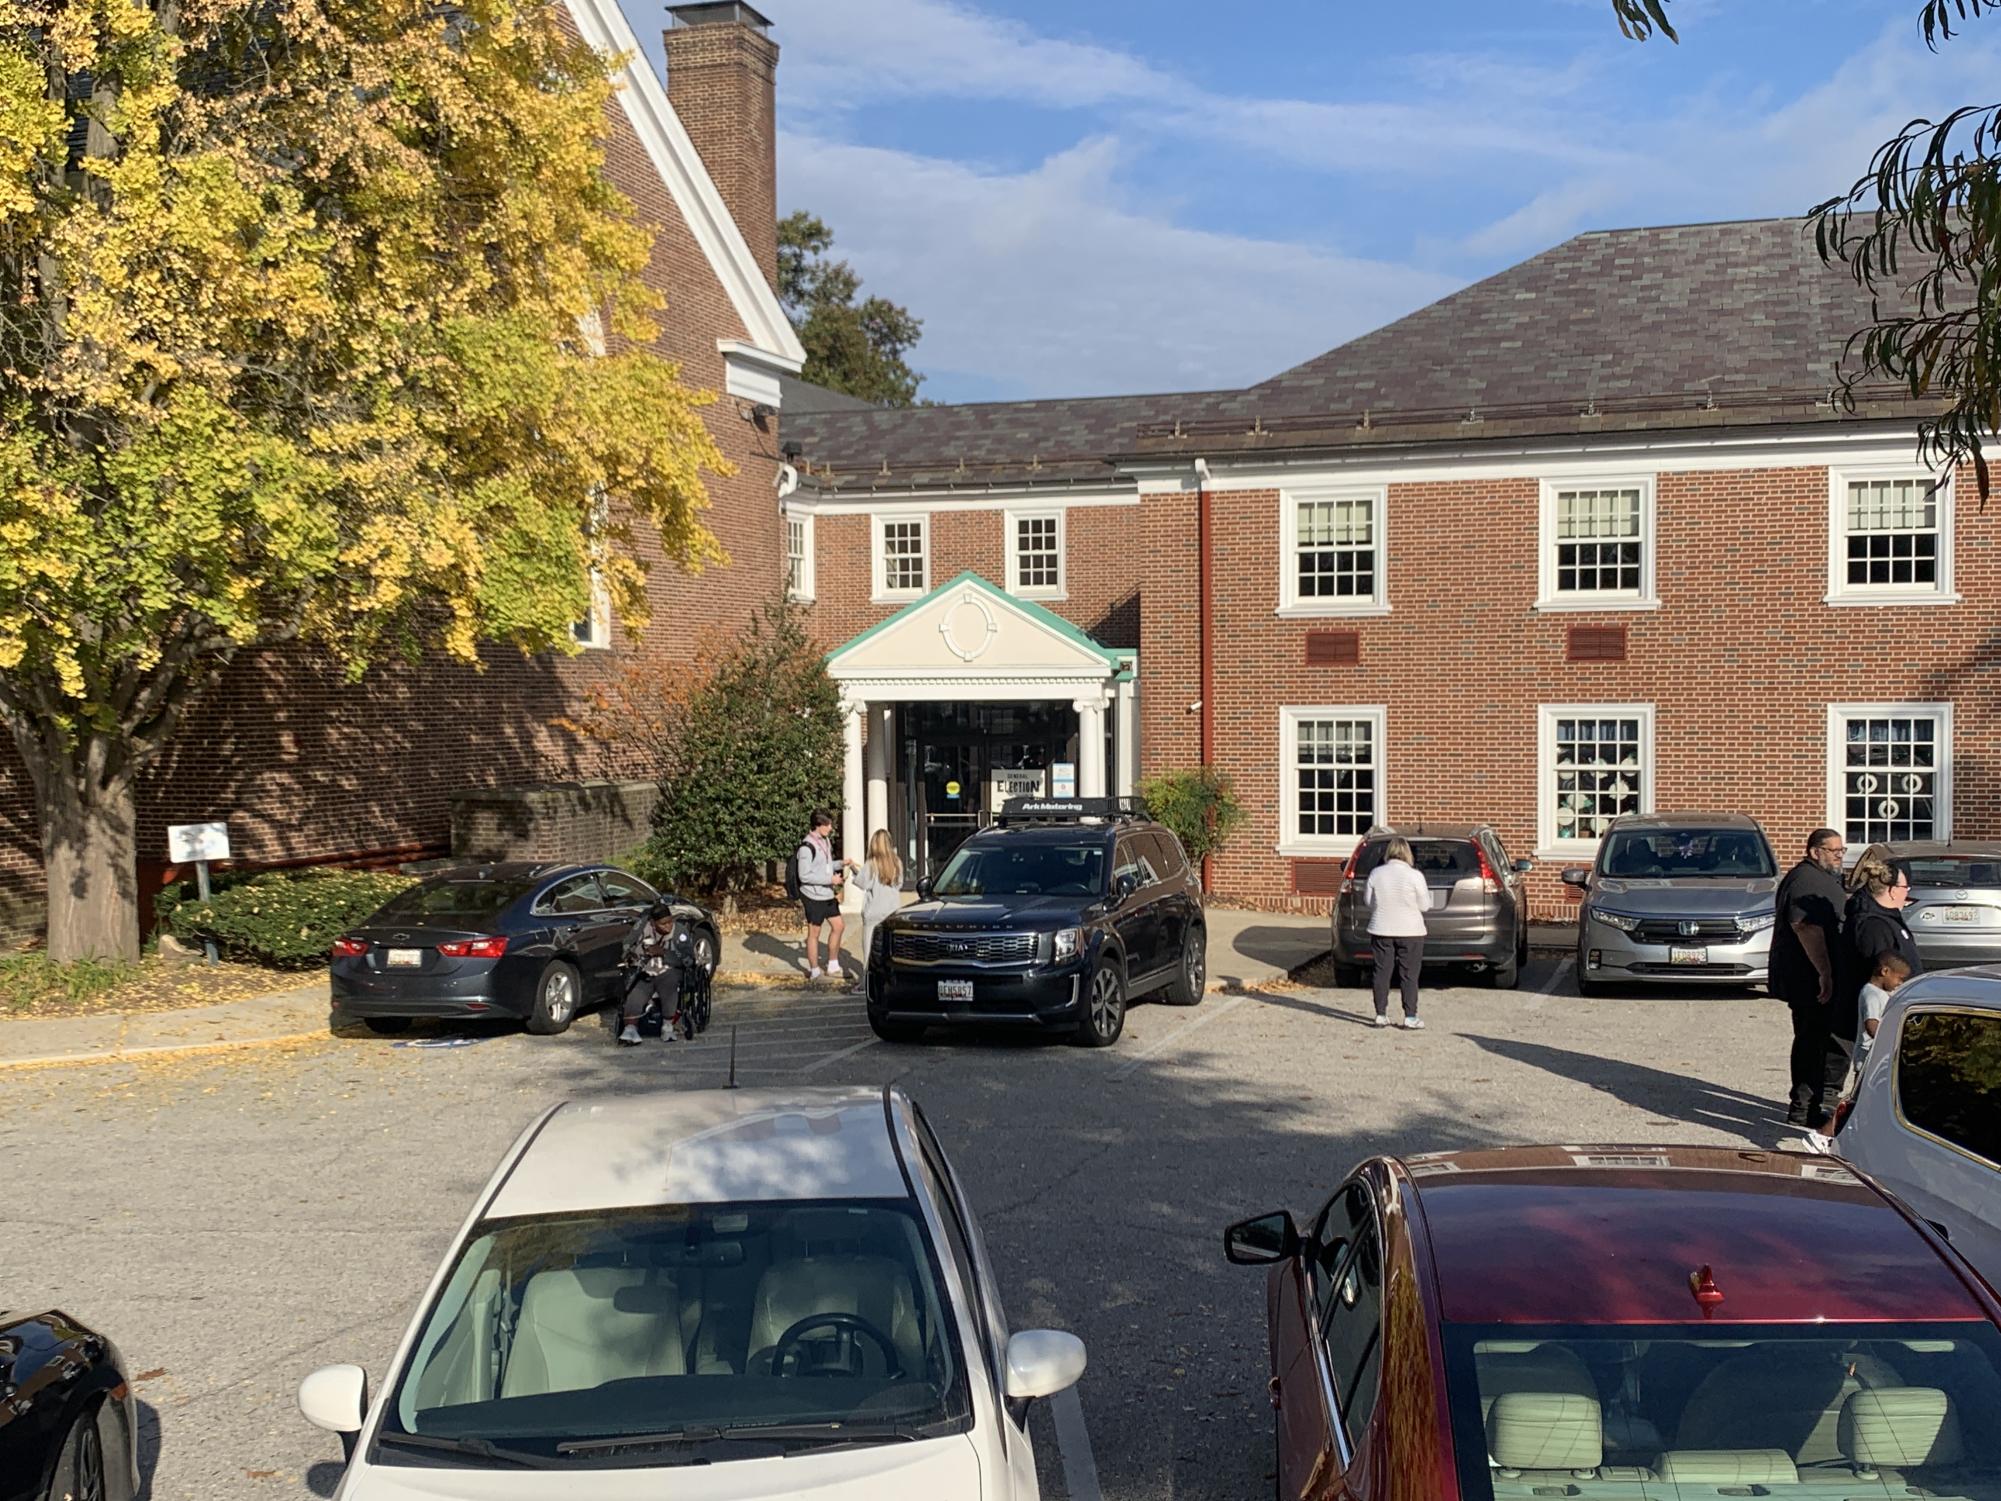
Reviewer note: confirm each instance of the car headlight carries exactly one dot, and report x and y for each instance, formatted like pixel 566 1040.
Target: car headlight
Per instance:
pixel 1067 942
pixel 1617 920
pixel 1757 922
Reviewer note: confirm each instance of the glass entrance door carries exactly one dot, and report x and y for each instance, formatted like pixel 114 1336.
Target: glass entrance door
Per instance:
pixel 962 761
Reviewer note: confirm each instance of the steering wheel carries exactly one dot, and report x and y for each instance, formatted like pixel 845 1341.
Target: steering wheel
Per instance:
pixel 847 1324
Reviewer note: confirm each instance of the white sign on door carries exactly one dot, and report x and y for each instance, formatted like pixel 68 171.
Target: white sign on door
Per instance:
pixel 1012 781
pixel 188 842
pixel 1063 779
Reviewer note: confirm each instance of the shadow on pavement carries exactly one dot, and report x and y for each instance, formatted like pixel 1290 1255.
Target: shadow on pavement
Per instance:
pixel 324 1478
pixel 1678 1097
pixel 149 1448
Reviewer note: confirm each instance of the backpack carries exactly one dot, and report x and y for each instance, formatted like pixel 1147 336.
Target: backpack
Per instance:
pixel 792 891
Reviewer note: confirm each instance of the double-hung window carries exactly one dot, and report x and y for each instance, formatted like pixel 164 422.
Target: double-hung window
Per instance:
pixel 1331 765
pixel 1332 551
pixel 1889 772
pixel 799 554
pixel 1597 545
pixel 1035 554
pixel 1594 762
pixel 1890 537
pixel 902 556
pixel 593 632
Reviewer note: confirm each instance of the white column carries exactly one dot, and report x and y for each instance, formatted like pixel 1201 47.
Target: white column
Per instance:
pixel 1091 744
pixel 854 837
pixel 877 754
pixel 1128 737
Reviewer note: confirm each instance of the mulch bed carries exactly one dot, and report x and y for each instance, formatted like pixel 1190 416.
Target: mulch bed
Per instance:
pixel 30 987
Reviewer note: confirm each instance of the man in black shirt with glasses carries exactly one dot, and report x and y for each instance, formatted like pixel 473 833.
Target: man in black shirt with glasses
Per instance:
pixel 1806 941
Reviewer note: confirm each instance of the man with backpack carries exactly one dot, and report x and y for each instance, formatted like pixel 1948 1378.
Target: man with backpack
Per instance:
pixel 811 877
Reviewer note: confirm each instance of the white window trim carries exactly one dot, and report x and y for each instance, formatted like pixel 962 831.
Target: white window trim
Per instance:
pixel 1547 598
pixel 879 591
pixel 1290 605
pixel 1011 520
pixel 599 618
pixel 804 591
pixel 1837 801
pixel 1581 851
pixel 1839 590
pixel 1328 846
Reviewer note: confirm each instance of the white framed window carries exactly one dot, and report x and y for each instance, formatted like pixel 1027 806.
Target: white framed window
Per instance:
pixel 1331 778
pixel 593 632
pixel 1889 772
pixel 1333 549
pixel 1597 545
pixel 1593 762
pixel 1035 554
pixel 798 555
pixel 1889 537
pixel 902 556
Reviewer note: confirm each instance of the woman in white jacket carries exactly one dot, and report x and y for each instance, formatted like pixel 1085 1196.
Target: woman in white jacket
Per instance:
pixel 1398 899
pixel 880 881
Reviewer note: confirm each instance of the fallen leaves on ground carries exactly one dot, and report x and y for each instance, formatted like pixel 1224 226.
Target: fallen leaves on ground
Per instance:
pixel 32 986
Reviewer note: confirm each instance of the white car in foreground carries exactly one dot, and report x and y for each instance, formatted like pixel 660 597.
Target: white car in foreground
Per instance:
pixel 767 1294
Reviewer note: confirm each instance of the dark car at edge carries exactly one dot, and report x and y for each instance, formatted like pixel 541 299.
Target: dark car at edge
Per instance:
pixel 69 1424
pixel 512 939
pixel 1051 921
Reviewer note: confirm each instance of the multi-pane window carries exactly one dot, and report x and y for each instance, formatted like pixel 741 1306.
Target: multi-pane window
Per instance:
pixel 903 557
pixel 795 557
pixel 1334 775
pixel 1599 536
pixel 1596 764
pixel 1332 552
pixel 1889 770
pixel 1891 537
pixel 1038 553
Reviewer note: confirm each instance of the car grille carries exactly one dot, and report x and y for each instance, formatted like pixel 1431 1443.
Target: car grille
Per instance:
pixel 1707 930
pixel 963 948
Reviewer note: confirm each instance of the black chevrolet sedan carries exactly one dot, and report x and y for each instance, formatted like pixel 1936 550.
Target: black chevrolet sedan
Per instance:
pixel 511 939
pixel 69 1424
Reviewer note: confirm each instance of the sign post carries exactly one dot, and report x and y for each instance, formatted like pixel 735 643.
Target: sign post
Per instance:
pixel 199 843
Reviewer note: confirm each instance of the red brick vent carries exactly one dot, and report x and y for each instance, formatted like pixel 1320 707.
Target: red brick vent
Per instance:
pixel 1316 877
pixel 1597 643
pixel 1333 648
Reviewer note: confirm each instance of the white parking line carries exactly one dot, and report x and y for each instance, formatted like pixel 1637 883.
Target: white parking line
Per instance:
pixel 1073 1444
pixel 1160 1044
pixel 1555 980
pixel 814 1068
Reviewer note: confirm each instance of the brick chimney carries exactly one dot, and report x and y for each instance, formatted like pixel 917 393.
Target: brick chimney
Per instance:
pixel 721 67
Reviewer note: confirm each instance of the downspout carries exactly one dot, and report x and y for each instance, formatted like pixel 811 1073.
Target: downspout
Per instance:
pixel 1203 584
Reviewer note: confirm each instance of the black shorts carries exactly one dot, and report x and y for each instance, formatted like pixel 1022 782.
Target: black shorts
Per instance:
pixel 821 909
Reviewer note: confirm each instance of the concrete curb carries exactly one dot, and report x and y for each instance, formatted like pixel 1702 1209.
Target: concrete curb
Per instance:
pixel 127 1055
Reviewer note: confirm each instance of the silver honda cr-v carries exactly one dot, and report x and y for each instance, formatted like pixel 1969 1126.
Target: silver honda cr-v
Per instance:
pixel 1678 899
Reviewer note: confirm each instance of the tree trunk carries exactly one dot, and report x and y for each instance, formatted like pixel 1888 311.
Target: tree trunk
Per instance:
pixel 90 852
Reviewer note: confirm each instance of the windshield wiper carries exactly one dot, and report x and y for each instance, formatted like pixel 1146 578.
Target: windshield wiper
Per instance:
pixel 473 1447
pixel 823 1433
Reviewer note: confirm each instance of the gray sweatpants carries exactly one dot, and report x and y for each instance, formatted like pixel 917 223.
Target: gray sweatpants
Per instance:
pixel 1406 956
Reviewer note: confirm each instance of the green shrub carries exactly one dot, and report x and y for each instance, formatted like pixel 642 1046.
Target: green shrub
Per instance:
pixel 1200 806
pixel 176 893
pixel 285 919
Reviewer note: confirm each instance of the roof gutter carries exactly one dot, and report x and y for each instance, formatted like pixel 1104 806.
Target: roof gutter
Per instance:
pixel 1204 583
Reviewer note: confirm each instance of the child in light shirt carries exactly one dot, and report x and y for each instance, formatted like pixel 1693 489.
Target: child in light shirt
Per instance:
pixel 1872 1000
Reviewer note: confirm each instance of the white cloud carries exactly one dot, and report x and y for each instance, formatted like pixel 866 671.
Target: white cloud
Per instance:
pixel 1048 283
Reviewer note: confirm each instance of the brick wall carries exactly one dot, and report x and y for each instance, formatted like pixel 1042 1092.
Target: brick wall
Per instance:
pixel 581 821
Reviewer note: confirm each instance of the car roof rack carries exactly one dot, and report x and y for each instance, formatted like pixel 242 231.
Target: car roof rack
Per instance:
pixel 1047 810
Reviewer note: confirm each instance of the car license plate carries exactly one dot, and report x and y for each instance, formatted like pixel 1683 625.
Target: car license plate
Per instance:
pixel 1688 956
pixel 1954 914
pixel 403 958
pixel 955 990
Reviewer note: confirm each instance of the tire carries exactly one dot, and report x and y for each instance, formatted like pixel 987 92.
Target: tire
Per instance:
pixel 557 995
pixel 1505 976
pixel 1587 986
pixel 80 1473
pixel 705 968
pixel 1104 1006
pixel 1191 972
pixel 897 1032
pixel 386 1026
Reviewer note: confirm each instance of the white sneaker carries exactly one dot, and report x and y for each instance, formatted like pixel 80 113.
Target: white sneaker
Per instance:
pixel 1380 1021
pixel 834 970
pixel 1413 1024
pixel 630 1036
pixel 813 973
pixel 1813 1141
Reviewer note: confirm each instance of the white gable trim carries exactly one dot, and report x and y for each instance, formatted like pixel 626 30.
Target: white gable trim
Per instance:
pixel 687 182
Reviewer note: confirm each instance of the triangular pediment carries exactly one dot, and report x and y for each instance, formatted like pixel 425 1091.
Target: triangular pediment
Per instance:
pixel 971 628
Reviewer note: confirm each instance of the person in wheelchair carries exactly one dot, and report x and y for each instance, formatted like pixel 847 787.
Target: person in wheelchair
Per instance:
pixel 657 952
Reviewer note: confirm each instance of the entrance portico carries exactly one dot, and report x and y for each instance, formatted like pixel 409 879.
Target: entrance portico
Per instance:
pixel 969 696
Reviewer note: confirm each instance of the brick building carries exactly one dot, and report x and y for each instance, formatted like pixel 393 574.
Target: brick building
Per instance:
pixel 1584 538
pixel 306 767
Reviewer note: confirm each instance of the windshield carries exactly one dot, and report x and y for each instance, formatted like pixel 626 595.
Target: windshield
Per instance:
pixel 1691 1413
pixel 552 1333
pixel 1019 869
pixel 447 901
pixel 1955 870
pixel 1669 854
pixel 1439 861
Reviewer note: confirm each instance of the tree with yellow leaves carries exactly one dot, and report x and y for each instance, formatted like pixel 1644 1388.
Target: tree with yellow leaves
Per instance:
pixel 303 309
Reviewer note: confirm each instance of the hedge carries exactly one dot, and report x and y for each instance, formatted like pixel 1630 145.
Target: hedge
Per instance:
pixel 285 919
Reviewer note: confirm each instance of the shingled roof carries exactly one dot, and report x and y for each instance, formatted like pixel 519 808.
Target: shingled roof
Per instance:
pixel 1692 326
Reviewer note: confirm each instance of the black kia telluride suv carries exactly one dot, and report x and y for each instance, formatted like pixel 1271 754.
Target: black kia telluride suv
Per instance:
pixel 1053 919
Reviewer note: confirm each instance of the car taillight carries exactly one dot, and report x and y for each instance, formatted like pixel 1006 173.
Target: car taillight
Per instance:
pixel 474 948
pixel 349 948
pixel 1348 870
pixel 1489 882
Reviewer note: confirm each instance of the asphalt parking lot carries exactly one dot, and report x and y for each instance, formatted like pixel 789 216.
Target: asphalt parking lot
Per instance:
pixel 234 1221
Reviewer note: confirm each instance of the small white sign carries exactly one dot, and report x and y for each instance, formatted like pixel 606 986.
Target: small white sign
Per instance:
pixel 188 842
pixel 1011 782
pixel 1063 779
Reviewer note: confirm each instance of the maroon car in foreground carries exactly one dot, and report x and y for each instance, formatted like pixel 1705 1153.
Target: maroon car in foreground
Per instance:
pixel 1624 1324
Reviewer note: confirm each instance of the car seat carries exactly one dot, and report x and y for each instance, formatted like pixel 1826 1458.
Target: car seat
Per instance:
pixel 1545 1436
pixel 1899 1429
pixel 1775 1397
pixel 580 1327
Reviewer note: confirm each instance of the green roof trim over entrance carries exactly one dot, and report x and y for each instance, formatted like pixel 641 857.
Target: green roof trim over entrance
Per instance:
pixel 1028 607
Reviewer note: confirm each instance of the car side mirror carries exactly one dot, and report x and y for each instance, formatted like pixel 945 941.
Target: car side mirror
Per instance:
pixel 1578 876
pixel 1041 1363
pixel 1522 867
pixel 924 888
pixel 1261 1241
pixel 335 1398
pixel 1125 886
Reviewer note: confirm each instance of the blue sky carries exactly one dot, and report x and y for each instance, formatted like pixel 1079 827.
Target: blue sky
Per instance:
pixel 1146 195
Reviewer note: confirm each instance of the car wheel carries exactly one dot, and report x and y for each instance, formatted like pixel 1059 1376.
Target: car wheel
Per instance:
pixel 386 1026
pixel 1191 975
pixel 79 1472
pixel 705 970
pixel 1504 976
pixel 1104 1006
pixel 556 997
pixel 890 1031
pixel 1586 985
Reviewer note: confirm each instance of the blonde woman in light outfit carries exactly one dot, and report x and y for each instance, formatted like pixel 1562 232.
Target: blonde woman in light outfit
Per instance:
pixel 1398 899
pixel 880 881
